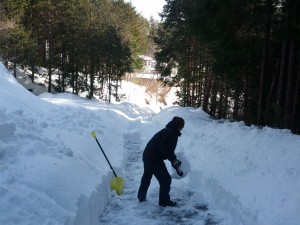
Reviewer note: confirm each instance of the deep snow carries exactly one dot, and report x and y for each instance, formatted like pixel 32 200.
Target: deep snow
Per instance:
pixel 52 171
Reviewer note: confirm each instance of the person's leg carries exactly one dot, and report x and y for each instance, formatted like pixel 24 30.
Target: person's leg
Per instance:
pixel 162 175
pixel 145 182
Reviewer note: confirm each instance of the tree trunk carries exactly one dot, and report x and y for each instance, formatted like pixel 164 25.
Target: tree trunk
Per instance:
pixel 290 84
pixel 246 101
pixel 213 102
pixel 64 72
pixel 49 67
pixel 281 84
pixel 221 100
pixel 200 80
pixel 32 70
pixel 271 91
pixel 76 80
pixel 236 104
pixel 15 69
pixel 264 63
pixel 207 87
pixel 295 109
pixel 295 117
pixel 292 28
pixel 92 76
pixel 109 83
pixel 225 107
pixel 49 78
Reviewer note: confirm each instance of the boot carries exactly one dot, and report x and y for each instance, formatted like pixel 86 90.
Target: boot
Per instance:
pixel 169 203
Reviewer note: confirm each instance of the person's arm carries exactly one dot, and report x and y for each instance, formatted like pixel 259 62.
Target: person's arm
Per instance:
pixel 168 145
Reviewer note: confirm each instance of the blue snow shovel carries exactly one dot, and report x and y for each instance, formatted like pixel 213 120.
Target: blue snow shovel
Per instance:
pixel 116 183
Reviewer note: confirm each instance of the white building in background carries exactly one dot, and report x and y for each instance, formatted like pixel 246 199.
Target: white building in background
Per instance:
pixel 148 70
pixel 149 64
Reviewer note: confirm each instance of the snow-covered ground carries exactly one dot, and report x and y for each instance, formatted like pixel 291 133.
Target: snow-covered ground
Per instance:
pixel 53 172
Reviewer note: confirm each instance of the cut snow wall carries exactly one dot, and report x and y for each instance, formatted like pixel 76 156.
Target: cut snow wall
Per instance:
pixel 221 200
pixel 91 207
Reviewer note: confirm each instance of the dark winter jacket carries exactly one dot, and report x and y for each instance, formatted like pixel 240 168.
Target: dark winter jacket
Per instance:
pixel 162 145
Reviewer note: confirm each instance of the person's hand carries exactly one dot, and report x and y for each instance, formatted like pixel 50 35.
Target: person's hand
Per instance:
pixel 176 165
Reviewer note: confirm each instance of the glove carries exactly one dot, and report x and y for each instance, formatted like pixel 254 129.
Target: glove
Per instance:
pixel 176 165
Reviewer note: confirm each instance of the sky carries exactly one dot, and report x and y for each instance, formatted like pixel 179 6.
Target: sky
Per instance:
pixel 52 171
pixel 148 8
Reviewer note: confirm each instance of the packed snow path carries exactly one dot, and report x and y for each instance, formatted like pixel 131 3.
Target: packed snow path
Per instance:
pixel 126 207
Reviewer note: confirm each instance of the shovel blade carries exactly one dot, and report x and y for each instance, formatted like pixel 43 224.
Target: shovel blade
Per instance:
pixel 117 184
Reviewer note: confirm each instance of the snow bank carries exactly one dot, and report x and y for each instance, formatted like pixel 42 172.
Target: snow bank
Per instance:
pixel 251 173
pixel 52 171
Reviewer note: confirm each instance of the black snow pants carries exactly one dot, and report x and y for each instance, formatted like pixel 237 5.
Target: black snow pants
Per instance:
pixel 162 175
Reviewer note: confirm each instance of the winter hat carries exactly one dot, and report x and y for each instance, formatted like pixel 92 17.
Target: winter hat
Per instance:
pixel 179 122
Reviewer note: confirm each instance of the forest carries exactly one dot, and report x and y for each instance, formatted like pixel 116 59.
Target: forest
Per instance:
pixel 238 60
pixel 85 40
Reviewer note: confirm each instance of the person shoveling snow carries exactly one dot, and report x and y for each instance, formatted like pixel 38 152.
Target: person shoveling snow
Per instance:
pixel 161 147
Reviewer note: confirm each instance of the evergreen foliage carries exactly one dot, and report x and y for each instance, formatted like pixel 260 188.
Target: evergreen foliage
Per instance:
pixel 236 59
pixel 84 40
